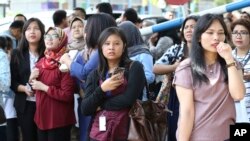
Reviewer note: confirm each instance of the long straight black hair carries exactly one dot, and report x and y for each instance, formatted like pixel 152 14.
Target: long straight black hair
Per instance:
pixel 197 57
pixel 95 25
pixel 23 46
pixel 103 63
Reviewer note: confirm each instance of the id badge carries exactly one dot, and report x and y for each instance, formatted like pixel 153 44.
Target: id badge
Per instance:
pixel 102 123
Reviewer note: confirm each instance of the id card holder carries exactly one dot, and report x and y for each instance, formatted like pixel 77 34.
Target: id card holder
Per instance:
pixel 102 123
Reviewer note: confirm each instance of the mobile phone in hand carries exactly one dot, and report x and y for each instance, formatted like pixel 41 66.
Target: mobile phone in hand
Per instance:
pixel 118 70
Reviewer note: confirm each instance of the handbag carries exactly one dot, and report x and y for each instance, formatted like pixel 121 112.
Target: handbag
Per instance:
pixel 148 121
pixel 166 85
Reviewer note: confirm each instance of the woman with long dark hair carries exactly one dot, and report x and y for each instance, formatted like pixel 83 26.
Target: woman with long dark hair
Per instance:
pixel 167 64
pixel 87 60
pixel 208 83
pixel 30 49
pixel 111 94
pixel 138 51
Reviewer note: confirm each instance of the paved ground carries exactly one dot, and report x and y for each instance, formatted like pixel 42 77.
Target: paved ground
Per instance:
pixel 75 134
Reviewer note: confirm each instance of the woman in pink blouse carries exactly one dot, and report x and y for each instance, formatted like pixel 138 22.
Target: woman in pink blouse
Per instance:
pixel 207 84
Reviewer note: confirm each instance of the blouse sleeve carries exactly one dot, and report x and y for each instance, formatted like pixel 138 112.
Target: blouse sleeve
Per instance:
pixel 14 70
pixel 94 96
pixel 81 71
pixel 147 61
pixel 183 75
pixel 4 73
pixel 169 56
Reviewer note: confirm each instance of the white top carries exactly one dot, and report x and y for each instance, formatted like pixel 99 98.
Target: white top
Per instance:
pixel 33 60
pixel 244 105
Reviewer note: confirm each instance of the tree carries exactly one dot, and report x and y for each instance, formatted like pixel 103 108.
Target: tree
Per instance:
pixel 222 2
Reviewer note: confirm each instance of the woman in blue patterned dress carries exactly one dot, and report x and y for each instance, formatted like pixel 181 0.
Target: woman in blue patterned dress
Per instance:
pixel 169 62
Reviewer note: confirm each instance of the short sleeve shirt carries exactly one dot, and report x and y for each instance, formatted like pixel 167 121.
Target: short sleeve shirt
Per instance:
pixel 214 106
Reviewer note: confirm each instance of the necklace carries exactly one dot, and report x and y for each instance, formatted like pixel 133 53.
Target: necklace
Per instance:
pixel 211 68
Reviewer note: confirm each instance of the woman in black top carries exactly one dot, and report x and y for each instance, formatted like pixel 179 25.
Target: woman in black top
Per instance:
pixel 108 93
pixel 30 49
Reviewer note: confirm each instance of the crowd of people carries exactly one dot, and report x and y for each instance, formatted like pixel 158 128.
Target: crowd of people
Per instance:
pixel 67 76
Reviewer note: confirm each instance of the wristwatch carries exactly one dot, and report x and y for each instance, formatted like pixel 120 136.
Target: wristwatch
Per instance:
pixel 231 64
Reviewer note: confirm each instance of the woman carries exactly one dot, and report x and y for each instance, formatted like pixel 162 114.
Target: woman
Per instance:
pixel 167 64
pixel 54 90
pixel 95 25
pixel 88 60
pixel 76 48
pixel 4 82
pixel 241 40
pixel 108 94
pixel 12 133
pixel 208 83
pixel 76 29
pixel 138 51
pixel 23 59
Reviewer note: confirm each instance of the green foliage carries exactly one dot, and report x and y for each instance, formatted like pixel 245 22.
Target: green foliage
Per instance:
pixel 222 2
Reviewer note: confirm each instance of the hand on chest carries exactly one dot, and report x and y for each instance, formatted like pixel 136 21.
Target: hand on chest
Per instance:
pixel 50 77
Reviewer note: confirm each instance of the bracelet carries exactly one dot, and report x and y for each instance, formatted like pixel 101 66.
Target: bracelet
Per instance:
pixel 231 64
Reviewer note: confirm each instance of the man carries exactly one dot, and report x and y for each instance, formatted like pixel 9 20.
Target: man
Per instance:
pixel 104 7
pixel 80 12
pixel 130 15
pixel 20 17
pixel 60 19
pixel 14 32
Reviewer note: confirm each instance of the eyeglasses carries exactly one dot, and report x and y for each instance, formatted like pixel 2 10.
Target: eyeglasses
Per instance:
pixel 49 37
pixel 240 33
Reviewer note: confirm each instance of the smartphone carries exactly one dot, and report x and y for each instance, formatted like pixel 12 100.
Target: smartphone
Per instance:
pixel 118 70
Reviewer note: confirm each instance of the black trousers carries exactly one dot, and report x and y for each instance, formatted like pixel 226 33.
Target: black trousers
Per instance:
pixel 173 105
pixel 57 134
pixel 26 122
pixel 3 133
pixel 12 132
